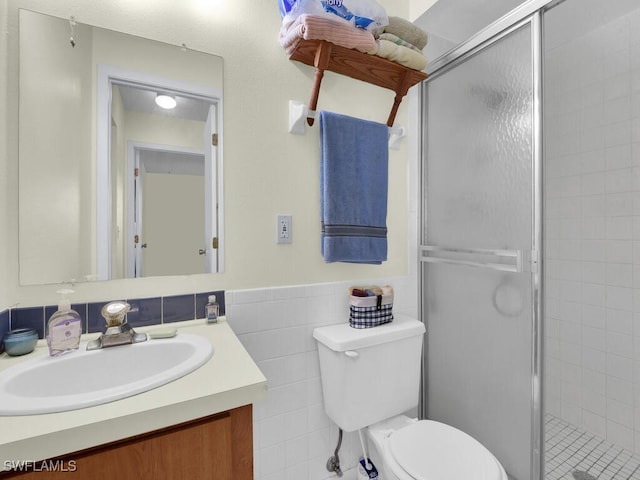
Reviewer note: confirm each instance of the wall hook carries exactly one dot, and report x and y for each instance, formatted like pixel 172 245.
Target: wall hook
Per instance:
pixel 72 24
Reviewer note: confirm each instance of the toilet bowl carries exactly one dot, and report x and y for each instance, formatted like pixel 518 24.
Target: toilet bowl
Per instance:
pixel 370 378
pixel 408 449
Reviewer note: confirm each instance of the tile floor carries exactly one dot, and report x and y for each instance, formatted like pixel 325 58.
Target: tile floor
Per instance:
pixel 575 455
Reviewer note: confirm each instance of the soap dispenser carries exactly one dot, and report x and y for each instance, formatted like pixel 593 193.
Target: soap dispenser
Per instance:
pixel 64 329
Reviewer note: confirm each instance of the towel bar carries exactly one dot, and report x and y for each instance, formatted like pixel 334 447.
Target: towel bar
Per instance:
pixel 299 113
pixel 498 259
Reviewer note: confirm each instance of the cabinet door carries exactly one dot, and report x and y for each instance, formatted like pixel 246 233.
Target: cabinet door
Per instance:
pixel 219 447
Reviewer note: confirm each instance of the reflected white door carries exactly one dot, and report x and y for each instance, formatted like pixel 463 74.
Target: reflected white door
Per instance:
pixel 169 213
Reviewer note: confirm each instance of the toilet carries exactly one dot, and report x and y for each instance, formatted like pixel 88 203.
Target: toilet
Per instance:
pixel 370 378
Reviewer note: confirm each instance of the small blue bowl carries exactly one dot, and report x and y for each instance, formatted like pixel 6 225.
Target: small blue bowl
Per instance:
pixel 20 341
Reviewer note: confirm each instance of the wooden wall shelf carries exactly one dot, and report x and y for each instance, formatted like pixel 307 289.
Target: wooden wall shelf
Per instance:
pixel 372 69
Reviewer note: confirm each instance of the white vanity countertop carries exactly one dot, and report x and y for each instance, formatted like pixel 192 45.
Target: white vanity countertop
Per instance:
pixel 228 380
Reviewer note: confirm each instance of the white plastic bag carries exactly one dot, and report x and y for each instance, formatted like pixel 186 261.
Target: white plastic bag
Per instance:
pixel 285 6
pixel 364 14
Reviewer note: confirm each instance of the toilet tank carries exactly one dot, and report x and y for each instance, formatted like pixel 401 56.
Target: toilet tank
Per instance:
pixel 371 374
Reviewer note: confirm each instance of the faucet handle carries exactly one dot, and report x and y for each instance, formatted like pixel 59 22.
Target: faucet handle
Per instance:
pixel 115 312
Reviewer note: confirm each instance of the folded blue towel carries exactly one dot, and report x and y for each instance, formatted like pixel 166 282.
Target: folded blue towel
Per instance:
pixel 353 189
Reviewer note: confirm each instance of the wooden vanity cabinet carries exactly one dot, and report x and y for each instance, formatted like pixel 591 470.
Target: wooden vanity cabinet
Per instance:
pixel 218 447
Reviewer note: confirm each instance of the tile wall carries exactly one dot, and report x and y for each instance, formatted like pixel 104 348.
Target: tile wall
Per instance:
pixel 592 231
pixel 293 438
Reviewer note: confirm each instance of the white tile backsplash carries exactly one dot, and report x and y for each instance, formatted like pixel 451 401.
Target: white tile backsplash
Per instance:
pixel 293 437
pixel 592 232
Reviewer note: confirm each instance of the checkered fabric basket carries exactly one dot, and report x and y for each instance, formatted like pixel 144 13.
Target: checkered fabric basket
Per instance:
pixel 367 312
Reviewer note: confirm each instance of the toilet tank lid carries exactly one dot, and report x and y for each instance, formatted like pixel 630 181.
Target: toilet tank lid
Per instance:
pixel 342 337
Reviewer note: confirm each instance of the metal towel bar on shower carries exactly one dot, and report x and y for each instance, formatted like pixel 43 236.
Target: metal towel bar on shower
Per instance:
pixel 501 260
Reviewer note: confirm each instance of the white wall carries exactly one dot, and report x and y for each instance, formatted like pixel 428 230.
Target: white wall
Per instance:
pixel 163 130
pixel 418 7
pixel 266 170
pixel 592 232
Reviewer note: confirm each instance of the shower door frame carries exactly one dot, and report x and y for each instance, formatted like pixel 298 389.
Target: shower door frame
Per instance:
pixel 531 13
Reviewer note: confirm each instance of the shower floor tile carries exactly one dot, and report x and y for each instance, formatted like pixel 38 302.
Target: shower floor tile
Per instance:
pixel 569 450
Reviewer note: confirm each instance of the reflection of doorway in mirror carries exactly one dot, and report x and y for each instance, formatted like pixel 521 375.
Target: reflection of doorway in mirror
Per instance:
pixel 170 214
pixel 143 128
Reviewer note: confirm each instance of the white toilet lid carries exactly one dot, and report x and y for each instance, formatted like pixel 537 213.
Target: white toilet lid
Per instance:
pixel 429 450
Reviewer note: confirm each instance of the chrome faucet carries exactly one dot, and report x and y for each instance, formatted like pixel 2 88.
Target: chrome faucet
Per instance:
pixel 118 331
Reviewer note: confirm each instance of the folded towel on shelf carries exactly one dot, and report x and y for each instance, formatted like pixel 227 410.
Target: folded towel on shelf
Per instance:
pixel 398 41
pixel 402 55
pixel 324 27
pixel 354 159
pixel 407 31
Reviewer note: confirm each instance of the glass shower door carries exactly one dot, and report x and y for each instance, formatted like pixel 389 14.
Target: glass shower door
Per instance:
pixel 479 247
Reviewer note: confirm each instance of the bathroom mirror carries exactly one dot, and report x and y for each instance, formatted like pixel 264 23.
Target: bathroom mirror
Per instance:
pixel 112 185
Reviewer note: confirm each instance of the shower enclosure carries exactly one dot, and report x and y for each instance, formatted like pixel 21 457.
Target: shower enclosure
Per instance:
pixel 530 239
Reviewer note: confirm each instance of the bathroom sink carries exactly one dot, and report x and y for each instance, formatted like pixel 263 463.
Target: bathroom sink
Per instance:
pixel 87 378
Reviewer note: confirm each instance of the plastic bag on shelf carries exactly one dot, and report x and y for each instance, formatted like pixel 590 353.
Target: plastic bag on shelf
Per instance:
pixel 285 6
pixel 364 14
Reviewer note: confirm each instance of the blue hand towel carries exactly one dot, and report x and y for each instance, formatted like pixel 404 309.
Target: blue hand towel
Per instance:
pixel 353 189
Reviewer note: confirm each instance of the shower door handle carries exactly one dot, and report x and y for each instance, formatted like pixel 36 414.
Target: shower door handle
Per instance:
pixel 499 259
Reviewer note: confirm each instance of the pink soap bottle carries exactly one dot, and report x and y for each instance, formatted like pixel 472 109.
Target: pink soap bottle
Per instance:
pixel 64 330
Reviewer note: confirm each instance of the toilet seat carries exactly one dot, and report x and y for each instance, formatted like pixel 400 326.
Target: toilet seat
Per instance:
pixel 429 450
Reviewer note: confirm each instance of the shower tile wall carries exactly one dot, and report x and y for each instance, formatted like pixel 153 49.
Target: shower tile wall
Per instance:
pixel 592 231
pixel 293 438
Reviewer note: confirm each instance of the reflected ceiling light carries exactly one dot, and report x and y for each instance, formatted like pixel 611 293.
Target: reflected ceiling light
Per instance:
pixel 165 101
